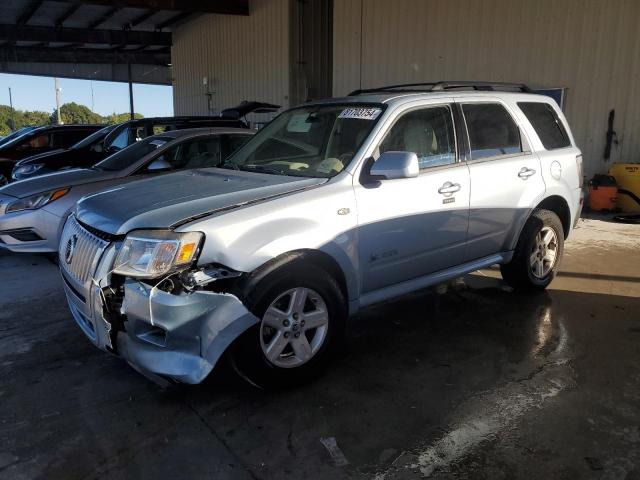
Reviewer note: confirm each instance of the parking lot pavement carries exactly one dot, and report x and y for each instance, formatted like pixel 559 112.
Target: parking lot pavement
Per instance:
pixel 475 381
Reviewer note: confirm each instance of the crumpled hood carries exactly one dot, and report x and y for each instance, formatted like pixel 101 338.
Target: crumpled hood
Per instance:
pixel 169 199
pixel 51 181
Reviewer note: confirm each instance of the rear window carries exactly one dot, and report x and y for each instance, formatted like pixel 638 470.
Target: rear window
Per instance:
pixel 492 131
pixel 546 123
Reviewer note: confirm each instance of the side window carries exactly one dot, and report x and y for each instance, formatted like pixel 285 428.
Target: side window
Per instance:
pixel 121 141
pixel 547 124
pixel 38 141
pixel 428 133
pixel 202 153
pixel 231 143
pixel 492 131
pixel 140 133
pixel 67 138
pixel 199 153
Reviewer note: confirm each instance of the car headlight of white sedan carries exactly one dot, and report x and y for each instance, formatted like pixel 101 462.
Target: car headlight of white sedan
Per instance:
pixel 154 253
pixel 36 201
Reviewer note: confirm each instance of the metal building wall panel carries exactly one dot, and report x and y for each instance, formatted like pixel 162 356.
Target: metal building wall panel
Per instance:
pixel 590 47
pixel 243 58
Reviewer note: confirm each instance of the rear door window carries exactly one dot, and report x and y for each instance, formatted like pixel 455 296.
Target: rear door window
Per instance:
pixel 492 130
pixel 547 124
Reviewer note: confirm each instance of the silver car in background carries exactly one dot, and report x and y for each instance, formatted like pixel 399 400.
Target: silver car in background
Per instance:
pixel 33 211
pixel 333 206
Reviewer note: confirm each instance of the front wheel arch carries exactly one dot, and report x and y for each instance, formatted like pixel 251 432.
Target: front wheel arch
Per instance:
pixel 317 258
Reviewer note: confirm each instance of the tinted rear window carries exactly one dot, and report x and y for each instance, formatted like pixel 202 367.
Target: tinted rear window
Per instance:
pixel 492 131
pixel 546 123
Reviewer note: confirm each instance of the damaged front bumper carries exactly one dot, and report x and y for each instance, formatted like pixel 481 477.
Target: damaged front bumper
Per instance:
pixel 179 336
pixel 173 336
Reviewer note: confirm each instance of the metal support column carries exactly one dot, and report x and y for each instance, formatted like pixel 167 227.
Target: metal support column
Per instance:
pixel 130 91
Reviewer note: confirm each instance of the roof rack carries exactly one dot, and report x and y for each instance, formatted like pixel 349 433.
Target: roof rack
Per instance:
pixel 442 86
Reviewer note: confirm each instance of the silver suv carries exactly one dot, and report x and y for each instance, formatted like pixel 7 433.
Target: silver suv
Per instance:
pixel 334 205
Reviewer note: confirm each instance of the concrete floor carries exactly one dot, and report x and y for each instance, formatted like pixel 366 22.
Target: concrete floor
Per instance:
pixel 475 382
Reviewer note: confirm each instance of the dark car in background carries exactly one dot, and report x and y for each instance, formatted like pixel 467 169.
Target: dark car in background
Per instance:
pixel 83 154
pixel 15 134
pixel 116 137
pixel 40 140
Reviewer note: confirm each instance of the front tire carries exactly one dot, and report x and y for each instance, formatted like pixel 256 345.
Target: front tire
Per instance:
pixel 538 253
pixel 302 314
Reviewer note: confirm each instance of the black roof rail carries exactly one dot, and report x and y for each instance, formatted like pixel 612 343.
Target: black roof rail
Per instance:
pixel 482 86
pixel 442 86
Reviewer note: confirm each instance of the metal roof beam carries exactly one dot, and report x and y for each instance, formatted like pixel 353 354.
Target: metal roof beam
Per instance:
pixel 59 22
pixel 106 16
pixel 29 12
pixel 175 19
pixel 229 7
pixel 13 33
pixel 81 56
pixel 142 18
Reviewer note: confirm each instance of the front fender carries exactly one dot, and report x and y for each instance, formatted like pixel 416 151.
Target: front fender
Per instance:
pixel 322 219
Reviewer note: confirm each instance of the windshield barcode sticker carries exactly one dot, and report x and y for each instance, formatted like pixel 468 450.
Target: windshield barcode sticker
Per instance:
pixel 361 113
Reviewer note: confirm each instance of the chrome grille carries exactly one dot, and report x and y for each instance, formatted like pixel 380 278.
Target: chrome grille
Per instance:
pixel 79 252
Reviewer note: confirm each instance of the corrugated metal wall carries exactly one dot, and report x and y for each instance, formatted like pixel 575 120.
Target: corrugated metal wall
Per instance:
pixel 591 47
pixel 243 58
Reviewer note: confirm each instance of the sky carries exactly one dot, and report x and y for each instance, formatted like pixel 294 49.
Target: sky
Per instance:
pixel 38 93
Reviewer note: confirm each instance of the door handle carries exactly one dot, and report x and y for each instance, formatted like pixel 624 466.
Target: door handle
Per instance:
pixel 525 173
pixel 448 188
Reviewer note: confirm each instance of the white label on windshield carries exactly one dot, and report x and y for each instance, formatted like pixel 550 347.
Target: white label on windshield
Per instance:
pixel 361 113
pixel 157 143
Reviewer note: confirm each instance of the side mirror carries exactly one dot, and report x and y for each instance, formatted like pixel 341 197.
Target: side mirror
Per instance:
pixel 394 165
pixel 158 164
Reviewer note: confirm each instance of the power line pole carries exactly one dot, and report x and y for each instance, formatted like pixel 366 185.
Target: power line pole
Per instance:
pixel 92 102
pixel 13 112
pixel 58 92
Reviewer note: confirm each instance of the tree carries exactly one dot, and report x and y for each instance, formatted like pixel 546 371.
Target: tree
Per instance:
pixel 74 113
pixel 121 117
pixel 35 118
pixel 70 112
pixel 11 119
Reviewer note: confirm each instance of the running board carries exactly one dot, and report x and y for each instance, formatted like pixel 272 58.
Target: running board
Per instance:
pixel 432 279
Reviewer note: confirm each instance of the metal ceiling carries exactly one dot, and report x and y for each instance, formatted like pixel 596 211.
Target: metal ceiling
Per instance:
pixel 68 38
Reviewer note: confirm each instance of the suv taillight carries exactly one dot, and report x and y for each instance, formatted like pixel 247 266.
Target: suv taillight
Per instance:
pixel 580 171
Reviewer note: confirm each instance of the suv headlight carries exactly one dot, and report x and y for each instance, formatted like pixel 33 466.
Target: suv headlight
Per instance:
pixel 27 169
pixel 36 201
pixel 154 253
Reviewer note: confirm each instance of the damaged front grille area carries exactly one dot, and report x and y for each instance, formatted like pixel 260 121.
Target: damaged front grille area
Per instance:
pixel 79 252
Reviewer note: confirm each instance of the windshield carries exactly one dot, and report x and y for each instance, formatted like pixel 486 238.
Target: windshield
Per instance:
pixel 127 156
pixel 93 138
pixel 315 141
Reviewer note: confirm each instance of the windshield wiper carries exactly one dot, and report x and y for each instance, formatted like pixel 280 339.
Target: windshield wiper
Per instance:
pixel 264 169
pixel 230 166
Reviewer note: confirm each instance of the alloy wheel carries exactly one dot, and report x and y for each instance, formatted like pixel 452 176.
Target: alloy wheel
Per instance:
pixel 544 252
pixel 294 327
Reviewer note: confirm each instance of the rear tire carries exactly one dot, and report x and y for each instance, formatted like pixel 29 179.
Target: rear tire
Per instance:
pixel 302 314
pixel 538 253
